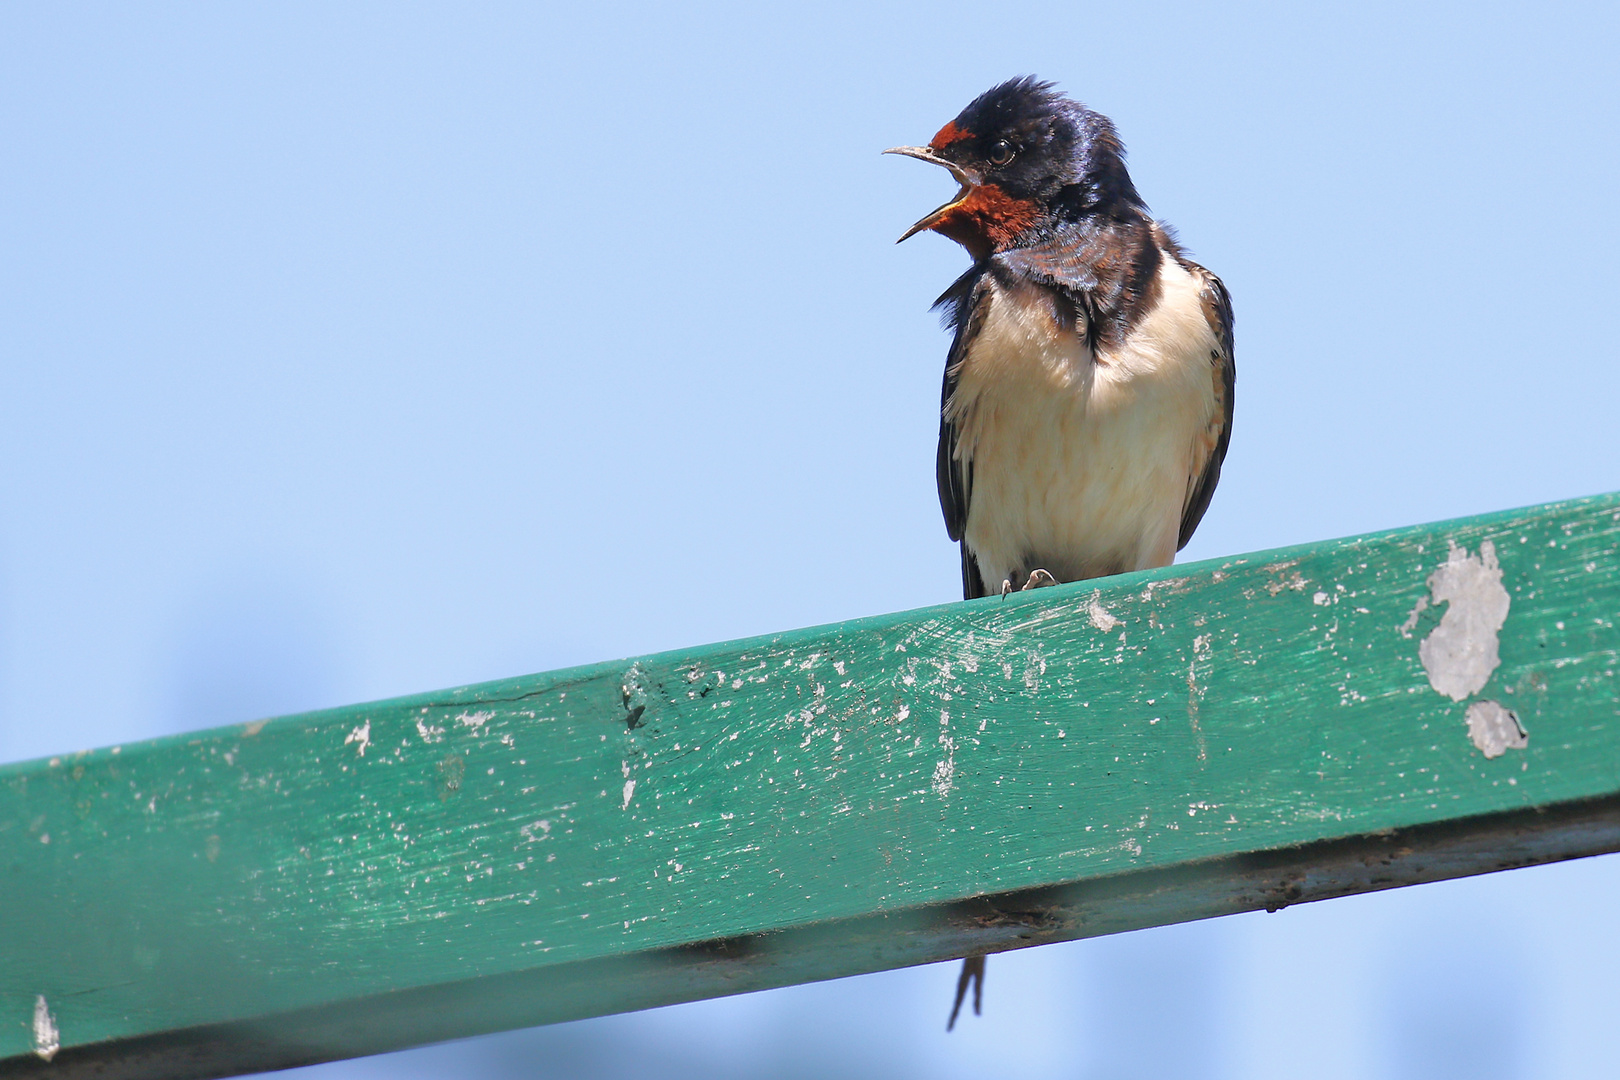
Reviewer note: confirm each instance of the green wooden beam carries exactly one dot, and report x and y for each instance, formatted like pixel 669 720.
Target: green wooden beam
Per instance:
pixel 1153 748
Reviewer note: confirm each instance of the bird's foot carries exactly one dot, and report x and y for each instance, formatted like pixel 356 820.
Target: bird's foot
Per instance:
pixel 1039 579
pixel 972 972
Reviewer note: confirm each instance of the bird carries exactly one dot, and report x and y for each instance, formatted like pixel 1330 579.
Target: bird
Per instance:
pixel 1087 400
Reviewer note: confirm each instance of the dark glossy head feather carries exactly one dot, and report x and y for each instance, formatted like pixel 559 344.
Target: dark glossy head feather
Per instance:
pixel 1036 144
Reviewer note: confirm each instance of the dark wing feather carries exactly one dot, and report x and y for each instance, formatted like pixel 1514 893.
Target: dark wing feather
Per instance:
pixel 972 584
pixel 1217 304
pixel 963 306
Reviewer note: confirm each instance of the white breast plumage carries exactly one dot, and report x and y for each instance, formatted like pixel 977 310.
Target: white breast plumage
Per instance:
pixel 1082 463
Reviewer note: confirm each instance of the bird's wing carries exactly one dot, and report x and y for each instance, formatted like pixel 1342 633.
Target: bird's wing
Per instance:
pixel 964 305
pixel 1217 305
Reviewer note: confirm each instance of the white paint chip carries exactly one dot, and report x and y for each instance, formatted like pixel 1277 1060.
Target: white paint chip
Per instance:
pixel 1099 615
pixel 945 772
pixel 475 720
pixel 361 736
pixel 629 792
pixel 1494 729
pixel 1461 653
pixel 47 1039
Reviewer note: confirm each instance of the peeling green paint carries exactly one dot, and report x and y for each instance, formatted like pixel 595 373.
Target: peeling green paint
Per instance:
pixel 633 833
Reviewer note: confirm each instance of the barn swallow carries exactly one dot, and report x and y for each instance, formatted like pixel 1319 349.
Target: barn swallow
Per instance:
pixel 1087 403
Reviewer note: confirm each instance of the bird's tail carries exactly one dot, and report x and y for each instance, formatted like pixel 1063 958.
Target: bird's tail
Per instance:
pixel 972 972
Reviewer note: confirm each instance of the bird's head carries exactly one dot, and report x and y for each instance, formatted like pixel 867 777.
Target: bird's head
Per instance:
pixel 1027 158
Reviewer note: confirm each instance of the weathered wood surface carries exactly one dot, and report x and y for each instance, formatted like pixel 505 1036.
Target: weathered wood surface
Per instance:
pixel 1165 746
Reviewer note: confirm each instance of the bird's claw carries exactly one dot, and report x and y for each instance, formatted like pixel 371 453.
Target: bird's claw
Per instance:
pixel 1039 579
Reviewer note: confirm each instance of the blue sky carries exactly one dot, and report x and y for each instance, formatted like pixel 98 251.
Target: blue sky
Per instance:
pixel 353 350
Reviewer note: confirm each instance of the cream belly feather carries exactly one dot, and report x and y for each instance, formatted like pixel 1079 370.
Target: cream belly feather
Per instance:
pixel 1082 464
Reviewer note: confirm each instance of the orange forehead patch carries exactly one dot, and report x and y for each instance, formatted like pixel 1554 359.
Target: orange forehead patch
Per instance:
pixel 948 134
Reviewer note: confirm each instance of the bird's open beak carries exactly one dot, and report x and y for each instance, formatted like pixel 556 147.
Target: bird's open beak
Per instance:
pixel 923 153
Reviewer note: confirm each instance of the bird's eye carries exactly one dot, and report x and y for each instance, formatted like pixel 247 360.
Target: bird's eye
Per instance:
pixel 1001 152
